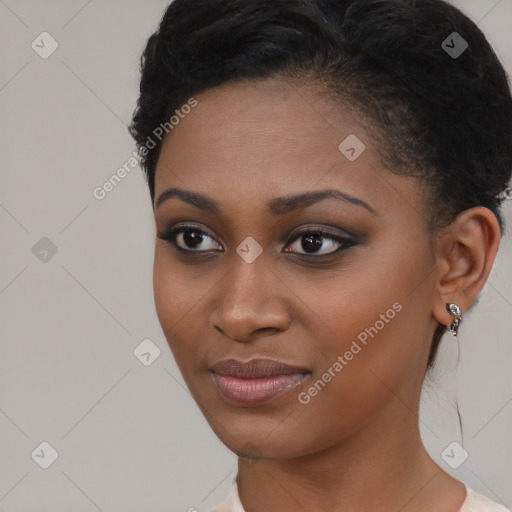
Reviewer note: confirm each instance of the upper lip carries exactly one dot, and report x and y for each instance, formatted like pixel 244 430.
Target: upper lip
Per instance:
pixel 255 368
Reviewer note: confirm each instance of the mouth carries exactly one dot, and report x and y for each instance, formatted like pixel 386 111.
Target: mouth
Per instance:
pixel 256 381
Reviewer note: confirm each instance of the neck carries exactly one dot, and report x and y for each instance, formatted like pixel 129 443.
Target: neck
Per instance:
pixel 383 466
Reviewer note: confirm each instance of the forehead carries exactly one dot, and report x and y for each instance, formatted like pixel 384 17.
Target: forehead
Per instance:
pixel 264 126
pixel 249 141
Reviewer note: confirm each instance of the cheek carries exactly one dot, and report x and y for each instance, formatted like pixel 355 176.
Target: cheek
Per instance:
pixel 177 296
pixel 166 289
pixel 361 370
pixel 373 337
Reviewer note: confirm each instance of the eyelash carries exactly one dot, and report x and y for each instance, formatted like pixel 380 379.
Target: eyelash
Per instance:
pixel 169 236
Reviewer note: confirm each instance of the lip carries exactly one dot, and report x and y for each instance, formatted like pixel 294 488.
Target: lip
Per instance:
pixel 255 381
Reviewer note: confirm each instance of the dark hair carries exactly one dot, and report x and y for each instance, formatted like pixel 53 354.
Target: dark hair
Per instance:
pixel 443 118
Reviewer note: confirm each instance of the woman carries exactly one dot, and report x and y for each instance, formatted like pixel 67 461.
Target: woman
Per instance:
pixel 326 179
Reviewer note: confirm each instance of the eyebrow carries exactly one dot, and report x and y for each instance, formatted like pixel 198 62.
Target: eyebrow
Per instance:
pixel 277 206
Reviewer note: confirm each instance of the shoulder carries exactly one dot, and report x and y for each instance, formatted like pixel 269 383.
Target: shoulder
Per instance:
pixel 232 502
pixel 476 502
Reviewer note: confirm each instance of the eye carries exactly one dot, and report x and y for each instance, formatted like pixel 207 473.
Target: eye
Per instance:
pixel 190 239
pixel 312 242
pixel 319 242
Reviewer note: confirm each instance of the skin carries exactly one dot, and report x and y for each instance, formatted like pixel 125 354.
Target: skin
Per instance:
pixel 356 443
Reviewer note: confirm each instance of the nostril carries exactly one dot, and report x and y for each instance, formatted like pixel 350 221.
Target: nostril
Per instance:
pixel 266 330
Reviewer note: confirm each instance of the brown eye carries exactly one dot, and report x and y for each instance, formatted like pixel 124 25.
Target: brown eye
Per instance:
pixel 318 242
pixel 190 238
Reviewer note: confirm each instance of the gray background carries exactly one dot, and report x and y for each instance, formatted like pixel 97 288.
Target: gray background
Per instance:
pixel 129 436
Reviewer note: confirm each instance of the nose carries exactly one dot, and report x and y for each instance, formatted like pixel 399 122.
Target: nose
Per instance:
pixel 251 301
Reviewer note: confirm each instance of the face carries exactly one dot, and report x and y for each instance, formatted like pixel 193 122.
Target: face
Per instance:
pixel 258 261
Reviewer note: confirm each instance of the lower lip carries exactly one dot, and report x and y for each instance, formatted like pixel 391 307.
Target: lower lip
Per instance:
pixel 240 391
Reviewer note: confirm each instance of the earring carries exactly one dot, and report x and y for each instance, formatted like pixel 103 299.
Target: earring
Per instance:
pixel 455 311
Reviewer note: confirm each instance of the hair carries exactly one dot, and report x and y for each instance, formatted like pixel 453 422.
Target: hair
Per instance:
pixel 446 120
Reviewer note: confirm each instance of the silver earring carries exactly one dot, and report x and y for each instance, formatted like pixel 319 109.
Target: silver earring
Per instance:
pixel 455 311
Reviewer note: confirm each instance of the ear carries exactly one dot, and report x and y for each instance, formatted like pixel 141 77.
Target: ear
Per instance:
pixel 465 253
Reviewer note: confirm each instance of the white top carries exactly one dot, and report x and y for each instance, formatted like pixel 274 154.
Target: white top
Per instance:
pixel 474 502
